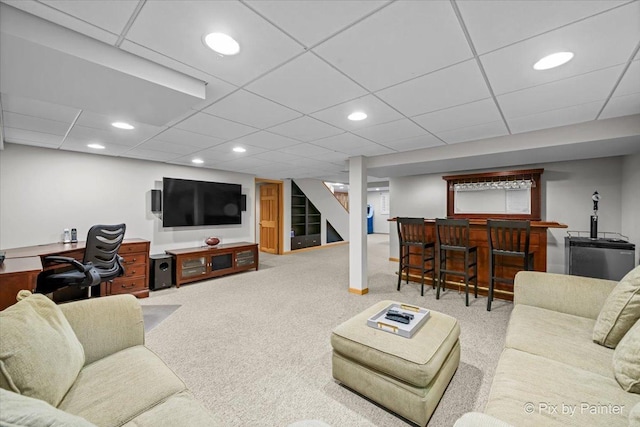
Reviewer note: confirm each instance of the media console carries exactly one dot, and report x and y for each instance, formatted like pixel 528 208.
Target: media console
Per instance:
pixel 193 264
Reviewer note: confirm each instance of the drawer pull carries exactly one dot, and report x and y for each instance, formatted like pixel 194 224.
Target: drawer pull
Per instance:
pixel 132 261
pixel 123 286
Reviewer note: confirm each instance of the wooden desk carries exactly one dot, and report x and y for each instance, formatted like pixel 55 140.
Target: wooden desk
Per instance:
pixel 21 267
pixel 478 237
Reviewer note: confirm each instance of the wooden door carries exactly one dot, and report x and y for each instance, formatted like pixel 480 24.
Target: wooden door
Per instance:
pixel 269 218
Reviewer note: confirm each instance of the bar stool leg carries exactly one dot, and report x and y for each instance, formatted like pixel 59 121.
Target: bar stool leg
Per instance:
pixel 400 268
pixel 466 278
pixel 440 273
pixel 475 272
pixel 422 272
pixel 491 275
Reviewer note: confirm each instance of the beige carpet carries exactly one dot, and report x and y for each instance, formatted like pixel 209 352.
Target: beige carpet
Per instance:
pixel 254 347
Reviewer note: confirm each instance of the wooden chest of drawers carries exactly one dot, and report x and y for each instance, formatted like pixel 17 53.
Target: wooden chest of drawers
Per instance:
pixel 135 279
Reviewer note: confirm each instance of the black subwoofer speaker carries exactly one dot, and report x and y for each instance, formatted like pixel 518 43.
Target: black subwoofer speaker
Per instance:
pixel 161 276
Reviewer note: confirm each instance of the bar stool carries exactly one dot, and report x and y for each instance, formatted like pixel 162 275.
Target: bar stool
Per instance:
pixel 453 237
pixel 507 239
pixel 412 233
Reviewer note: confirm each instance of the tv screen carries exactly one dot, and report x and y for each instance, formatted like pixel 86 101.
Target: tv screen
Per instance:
pixel 190 203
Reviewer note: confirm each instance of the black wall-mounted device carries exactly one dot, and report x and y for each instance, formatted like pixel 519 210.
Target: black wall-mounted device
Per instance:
pixel 243 203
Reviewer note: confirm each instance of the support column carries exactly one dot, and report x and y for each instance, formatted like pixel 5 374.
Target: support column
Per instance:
pixel 358 225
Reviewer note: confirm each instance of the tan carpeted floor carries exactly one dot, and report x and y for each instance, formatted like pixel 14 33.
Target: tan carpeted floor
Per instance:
pixel 254 347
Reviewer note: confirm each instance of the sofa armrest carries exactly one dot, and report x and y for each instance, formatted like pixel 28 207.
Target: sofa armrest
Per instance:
pixel 576 295
pixel 105 325
pixel 478 419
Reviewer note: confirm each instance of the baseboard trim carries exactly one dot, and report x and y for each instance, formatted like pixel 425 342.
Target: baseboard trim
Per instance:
pixel 358 291
pixel 394 259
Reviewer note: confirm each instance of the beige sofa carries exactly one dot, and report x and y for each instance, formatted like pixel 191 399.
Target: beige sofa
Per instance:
pixel 551 372
pixel 84 363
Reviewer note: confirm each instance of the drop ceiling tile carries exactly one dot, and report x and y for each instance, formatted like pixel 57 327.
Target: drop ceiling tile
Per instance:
pixel 392 131
pixel 335 157
pixel 266 140
pixel 28 137
pixel 306 84
pixel 36 108
pixel 252 110
pixel 555 118
pixel 272 171
pixel 152 155
pixel 306 150
pixel 111 149
pixel 305 129
pixel 564 93
pixel 473 113
pixel 414 143
pixel 630 82
pixel 242 164
pixel 36 124
pixel 277 157
pixel 227 147
pixel 206 124
pixel 598 42
pixel 472 133
pixel 61 18
pixel 110 15
pixel 140 132
pixel 156 144
pixel 400 42
pixel 377 112
pixel 372 150
pixel 460 84
pixel 313 163
pixel 622 106
pixel 85 135
pixel 310 22
pixel 179 136
pixel 176 28
pixel 494 24
pixel 345 142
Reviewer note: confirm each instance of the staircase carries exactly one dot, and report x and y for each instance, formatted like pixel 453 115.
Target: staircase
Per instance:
pixel 330 208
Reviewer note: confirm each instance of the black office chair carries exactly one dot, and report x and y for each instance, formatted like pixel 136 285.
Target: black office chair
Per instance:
pixel 101 262
pixel 453 237
pixel 508 240
pixel 413 234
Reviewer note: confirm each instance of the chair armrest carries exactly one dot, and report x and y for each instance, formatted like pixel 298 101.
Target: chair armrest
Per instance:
pixel 67 260
pixel 105 325
pixel 576 295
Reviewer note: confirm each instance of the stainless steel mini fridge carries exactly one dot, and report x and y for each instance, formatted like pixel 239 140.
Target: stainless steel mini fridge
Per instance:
pixel 601 258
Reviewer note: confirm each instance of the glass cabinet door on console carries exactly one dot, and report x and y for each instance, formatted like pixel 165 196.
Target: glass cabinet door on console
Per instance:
pixel 245 258
pixel 192 267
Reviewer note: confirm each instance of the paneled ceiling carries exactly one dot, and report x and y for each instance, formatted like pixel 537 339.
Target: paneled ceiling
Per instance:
pixel 430 75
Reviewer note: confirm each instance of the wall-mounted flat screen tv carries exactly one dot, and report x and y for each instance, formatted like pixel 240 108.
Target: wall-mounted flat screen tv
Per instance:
pixel 191 203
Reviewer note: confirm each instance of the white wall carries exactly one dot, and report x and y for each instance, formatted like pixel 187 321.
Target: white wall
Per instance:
pixel 566 198
pixel 380 223
pixel 631 200
pixel 43 191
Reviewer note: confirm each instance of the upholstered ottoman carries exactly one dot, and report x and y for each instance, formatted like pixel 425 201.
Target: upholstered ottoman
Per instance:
pixel 405 375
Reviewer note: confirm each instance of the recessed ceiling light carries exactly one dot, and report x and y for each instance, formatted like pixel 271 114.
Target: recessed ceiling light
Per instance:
pixel 377 189
pixel 239 149
pixel 553 60
pixel 357 116
pixel 222 43
pixel 197 161
pixel 122 125
pixel 96 146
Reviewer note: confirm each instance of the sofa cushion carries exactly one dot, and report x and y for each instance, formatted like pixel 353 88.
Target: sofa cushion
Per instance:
pixel 634 416
pixel 558 336
pixel 620 311
pixel 530 390
pixel 40 356
pixel 626 360
pixel 20 410
pixel 118 388
pixel 178 410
